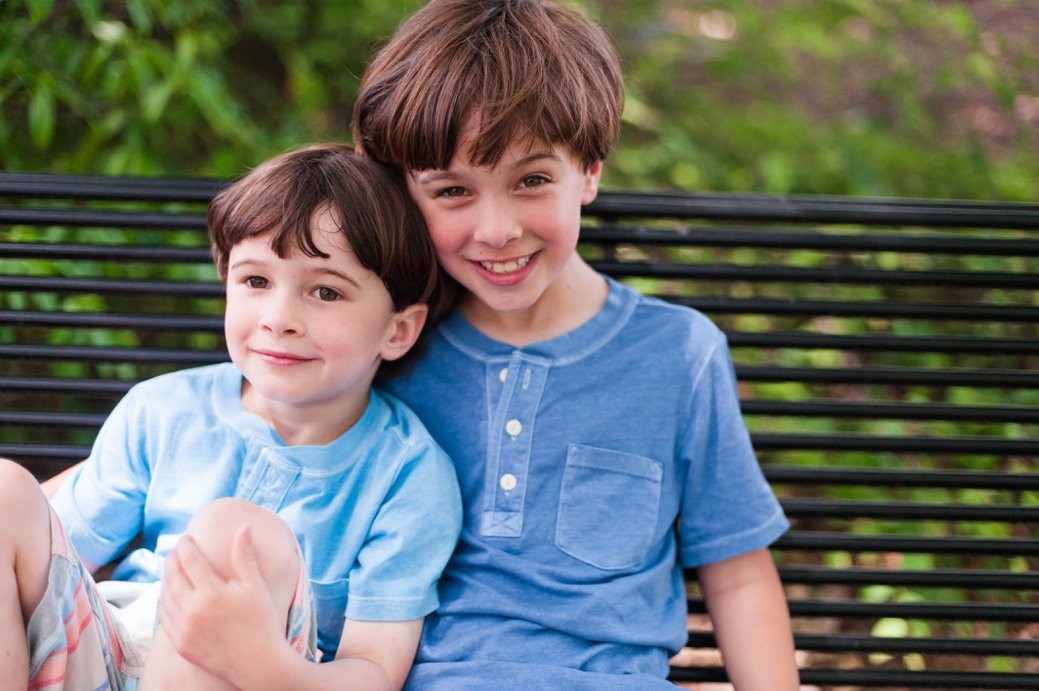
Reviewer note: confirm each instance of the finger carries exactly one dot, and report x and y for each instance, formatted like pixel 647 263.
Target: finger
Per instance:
pixel 172 604
pixel 195 567
pixel 176 583
pixel 168 611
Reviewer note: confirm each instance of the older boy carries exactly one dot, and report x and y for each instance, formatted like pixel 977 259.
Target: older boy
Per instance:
pixel 597 433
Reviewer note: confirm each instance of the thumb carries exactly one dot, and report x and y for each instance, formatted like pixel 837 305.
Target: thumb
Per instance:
pixel 245 563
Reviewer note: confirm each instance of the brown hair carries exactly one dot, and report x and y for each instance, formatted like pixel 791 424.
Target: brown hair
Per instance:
pixel 369 202
pixel 523 68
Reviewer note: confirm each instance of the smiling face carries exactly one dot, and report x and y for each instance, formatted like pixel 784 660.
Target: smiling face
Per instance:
pixel 308 333
pixel 508 232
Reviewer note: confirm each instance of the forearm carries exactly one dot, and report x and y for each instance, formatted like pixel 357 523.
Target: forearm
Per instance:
pixel 752 622
pixel 371 655
pixel 759 652
pixel 290 671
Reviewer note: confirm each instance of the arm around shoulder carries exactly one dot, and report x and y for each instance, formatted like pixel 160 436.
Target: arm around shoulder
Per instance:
pixel 751 620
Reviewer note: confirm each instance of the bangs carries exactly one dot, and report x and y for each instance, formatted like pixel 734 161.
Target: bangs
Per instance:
pixel 518 70
pixel 284 211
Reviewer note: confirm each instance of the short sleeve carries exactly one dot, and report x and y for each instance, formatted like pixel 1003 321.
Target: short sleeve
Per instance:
pixel 409 543
pixel 101 505
pixel 728 507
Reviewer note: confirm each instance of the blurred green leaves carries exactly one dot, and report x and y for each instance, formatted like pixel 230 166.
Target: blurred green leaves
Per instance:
pixel 190 87
pixel 884 97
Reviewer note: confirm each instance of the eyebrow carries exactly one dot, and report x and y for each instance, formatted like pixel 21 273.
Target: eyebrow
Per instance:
pixel 244 263
pixel 432 176
pixel 345 277
pixel 338 274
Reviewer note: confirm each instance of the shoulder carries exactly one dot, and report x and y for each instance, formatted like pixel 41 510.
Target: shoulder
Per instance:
pixel 183 390
pixel 668 327
pixel 400 419
pixel 415 463
pixel 403 433
pixel 193 379
pixel 674 315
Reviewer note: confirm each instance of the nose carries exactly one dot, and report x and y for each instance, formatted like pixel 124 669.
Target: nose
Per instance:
pixel 282 315
pixel 497 224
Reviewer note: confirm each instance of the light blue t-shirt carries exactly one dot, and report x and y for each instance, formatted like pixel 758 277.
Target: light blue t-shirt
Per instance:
pixel 376 512
pixel 577 457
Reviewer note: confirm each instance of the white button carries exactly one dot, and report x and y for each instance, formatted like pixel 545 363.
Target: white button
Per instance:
pixel 508 482
pixel 504 374
pixel 514 427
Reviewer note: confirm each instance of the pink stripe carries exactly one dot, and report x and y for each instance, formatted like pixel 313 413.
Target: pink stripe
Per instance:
pixel 53 669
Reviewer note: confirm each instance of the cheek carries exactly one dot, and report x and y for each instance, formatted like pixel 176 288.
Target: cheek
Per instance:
pixel 347 342
pixel 233 325
pixel 570 222
pixel 238 315
pixel 445 242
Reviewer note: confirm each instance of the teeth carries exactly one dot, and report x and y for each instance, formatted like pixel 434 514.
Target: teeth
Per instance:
pixel 506 267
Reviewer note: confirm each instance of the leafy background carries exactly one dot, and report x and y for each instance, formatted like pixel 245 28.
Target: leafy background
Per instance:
pixel 864 97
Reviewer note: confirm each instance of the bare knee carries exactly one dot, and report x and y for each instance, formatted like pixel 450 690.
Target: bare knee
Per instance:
pixel 11 472
pixel 23 507
pixel 214 529
pixel 24 533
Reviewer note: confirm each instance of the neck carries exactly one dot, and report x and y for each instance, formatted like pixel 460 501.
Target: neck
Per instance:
pixel 305 425
pixel 574 297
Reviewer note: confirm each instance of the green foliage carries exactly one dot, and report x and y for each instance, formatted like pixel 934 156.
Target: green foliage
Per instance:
pixel 849 97
pixel 191 87
pixel 886 97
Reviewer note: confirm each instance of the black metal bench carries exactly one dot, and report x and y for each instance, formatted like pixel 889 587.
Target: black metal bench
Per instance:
pixel 887 350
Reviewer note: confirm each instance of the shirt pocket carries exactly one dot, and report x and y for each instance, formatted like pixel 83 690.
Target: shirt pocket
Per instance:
pixel 330 610
pixel 608 506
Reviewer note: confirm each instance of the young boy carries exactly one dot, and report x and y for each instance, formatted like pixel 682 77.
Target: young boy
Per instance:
pixel 288 477
pixel 597 433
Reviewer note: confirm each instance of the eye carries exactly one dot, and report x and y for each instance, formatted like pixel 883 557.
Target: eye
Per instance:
pixel 257 282
pixel 326 294
pixel 533 181
pixel 453 191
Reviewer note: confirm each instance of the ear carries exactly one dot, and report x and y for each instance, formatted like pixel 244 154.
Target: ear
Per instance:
pixel 590 190
pixel 403 331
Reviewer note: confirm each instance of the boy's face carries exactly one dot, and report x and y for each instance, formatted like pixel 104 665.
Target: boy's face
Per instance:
pixel 506 233
pixel 309 333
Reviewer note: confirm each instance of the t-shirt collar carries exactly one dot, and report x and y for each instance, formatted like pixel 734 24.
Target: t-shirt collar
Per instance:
pixel 573 345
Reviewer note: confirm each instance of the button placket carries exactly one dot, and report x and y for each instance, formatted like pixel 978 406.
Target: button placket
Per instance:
pixel 509 444
pixel 272 482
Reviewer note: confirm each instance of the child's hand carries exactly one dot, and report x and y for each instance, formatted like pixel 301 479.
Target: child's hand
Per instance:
pixel 221 622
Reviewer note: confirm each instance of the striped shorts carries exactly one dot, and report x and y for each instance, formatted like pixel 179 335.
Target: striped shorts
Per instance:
pixel 78 640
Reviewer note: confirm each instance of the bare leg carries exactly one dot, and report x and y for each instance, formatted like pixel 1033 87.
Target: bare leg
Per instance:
pixel 214 529
pixel 24 565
